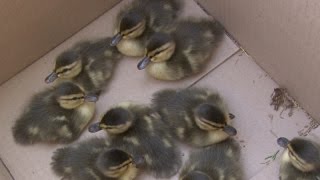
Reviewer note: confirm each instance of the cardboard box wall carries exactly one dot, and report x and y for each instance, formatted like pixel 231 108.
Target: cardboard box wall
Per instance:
pixel 284 39
pixel 29 29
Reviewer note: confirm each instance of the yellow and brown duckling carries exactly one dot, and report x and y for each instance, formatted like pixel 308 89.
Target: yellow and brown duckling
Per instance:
pixel 56 115
pixel 140 18
pixel 142 127
pixel 90 64
pixel 217 161
pixel 183 52
pixel 196 116
pixel 300 160
pixel 94 159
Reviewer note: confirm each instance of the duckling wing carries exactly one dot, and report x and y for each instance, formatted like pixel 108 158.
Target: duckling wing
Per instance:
pixel 162 14
pixel 196 41
pixel 81 47
pixel 78 161
pixel 60 161
pixel 217 158
pixel 162 156
pixel 101 49
pixel 41 121
pixel 99 65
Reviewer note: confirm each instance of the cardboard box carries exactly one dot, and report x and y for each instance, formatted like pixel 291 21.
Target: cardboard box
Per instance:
pixel 271 32
pixel 283 37
pixel 32 28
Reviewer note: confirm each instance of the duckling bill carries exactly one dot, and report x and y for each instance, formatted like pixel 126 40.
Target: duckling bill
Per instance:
pixel 182 52
pixel 196 116
pixel 218 161
pixel 142 128
pixel 94 159
pixel 56 115
pixel 139 19
pixel 89 64
pixel 300 160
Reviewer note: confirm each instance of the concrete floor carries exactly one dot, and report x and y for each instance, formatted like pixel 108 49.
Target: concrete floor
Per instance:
pixel 243 84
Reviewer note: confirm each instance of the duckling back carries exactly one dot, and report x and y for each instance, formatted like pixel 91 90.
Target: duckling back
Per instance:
pixel 218 161
pixel 78 162
pixel 40 121
pixel 150 138
pixel 162 13
pixel 99 61
pixel 195 42
pixel 43 120
pixel 177 110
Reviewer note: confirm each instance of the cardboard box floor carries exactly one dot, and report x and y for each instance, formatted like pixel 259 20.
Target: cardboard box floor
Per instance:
pixel 243 84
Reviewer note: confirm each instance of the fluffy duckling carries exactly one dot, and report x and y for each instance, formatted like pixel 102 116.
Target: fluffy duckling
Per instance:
pixel 196 116
pixel 183 52
pixel 142 127
pixel 217 161
pixel 94 159
pixel 140 18
pixel 56 115
pixel 89 64
pixel 300 160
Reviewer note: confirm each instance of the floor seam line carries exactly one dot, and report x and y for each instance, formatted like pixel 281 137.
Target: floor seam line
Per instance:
pixel 220 64
pixel 8 170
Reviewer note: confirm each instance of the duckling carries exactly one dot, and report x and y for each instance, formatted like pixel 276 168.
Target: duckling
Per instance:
pixel 300 160
pixel 196 116
pixel 94 159
pixel 183 52
pixel 217 161
pixel 140 18
pixel 142 127
pixel 55 115
pixel 89 64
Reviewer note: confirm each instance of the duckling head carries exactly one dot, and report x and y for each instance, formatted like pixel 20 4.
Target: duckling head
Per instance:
pixel 196 175
pixel 68 65
pixel 211 118
pixel 303 154
pixel 115 121
pixel 159 48
pixel 70 96
pixel 115 163
pixel 132 25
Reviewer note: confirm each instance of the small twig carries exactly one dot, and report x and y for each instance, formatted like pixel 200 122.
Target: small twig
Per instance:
pixel 270 158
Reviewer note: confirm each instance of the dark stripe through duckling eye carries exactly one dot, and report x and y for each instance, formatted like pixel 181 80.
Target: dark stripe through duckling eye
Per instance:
pixel 158 52
pixel 295 157
pixel 115 168
pixel 131 30
pixel 64 70
pixel 207 123
pixel 124 165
